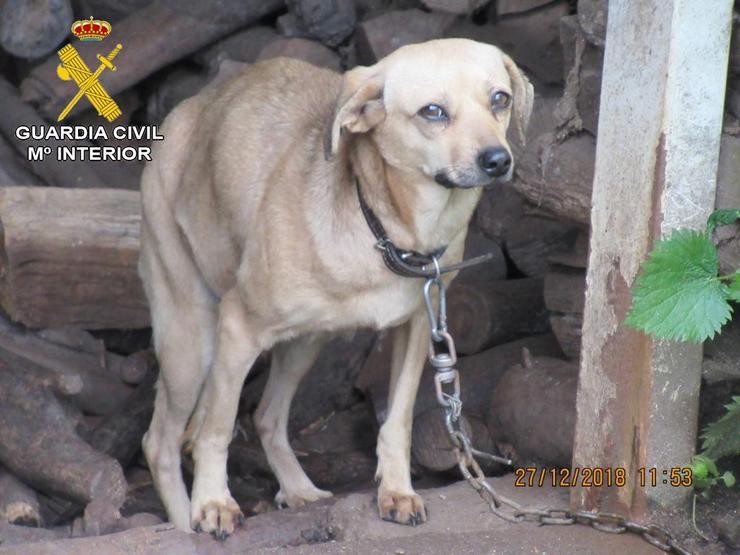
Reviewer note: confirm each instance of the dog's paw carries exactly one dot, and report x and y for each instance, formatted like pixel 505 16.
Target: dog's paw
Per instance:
pixel 300 497
pixel 217 517
pixel 403 508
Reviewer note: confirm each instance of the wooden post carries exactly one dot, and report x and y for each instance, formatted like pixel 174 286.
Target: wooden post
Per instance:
pixel 656 163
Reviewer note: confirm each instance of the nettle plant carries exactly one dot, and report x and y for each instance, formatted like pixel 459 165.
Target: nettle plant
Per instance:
pixel 680 296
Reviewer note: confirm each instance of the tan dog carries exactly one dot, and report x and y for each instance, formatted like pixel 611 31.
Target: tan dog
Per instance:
pixel 252 240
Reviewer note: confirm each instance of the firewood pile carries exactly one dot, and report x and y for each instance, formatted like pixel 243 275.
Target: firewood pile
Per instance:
pixel 77 370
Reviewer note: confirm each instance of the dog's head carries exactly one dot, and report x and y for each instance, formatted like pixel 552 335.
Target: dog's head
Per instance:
pixel 442 107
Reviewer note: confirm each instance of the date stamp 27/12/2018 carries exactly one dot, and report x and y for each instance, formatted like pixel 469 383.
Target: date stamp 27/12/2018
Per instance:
pixel 531 476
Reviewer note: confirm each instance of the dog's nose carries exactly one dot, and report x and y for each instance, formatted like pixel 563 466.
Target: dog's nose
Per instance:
pixel 495 161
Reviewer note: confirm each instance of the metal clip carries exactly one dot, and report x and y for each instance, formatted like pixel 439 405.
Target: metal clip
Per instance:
pixel 449 376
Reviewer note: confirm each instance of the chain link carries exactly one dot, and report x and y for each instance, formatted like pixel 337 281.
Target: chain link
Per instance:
pixel 442 356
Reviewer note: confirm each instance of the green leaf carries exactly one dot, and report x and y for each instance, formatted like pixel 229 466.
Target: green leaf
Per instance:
pixel 722 217
pixel 722 437
pixel 735 287
pixel 678 295
pixel 708 466
pixel 728 478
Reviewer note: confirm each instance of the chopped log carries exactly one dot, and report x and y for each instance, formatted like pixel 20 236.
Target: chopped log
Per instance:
pixel 557 177
pixel 579 106
pixel 80 377
pixel 530 39
pixel 592 15
pixel 307 50
pixel 565 292
pixel 432 449
pixel 14 170
pixel 430 443
pixel 575 256
pixel 119 434
pixel 533 408
pixel 728 196
pixel 457 7
pixel 567 328
pixel 69 258
pixel 531 240
pixel 69 173
pixel 57 461
pixel 565 289
pixel 113 10
pixel 134 368
pixel 178 84
pixel 328 21
pixel 499 208
pixel 477 244
pixel 479 374
pixel 329 385
pixel 33 29
pixel 507 7
pixel 243 46
pixel 152 38
pixel 381 35
pixel 485 313
pixel 340 470
pixel 18 503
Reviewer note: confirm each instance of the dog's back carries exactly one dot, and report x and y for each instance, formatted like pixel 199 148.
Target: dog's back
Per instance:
pixel 223 145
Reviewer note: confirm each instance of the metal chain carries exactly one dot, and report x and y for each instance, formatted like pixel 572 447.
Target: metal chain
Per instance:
pixel 442 356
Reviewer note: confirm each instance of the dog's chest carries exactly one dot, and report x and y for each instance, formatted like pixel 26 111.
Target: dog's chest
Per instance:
pixel 386 306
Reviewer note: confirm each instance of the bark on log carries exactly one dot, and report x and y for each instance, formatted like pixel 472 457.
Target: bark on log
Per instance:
pixel 33 29
pixel 18 503
pixel 329 385
pixel 57 461
pixel 69 257
pixel 378 37
pixel 152 38
pixel 70 173
pixel 499 208
pixel 243 46
pixel 328 21
pixel 430 444
pixel 485 313
pixel 119 434
pixel 80 377
pixel 432 449
pixel 533 409
pixel 531 240
pixel 557 177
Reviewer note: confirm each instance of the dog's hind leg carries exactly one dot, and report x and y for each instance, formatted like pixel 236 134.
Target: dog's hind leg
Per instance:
pixel 183 323
pixel 397 500
pixel 290 362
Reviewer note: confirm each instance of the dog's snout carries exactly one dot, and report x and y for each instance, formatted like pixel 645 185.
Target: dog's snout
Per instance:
pixel 495 161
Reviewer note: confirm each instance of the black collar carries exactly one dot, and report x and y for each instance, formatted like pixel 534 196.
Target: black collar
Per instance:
pixel 403 262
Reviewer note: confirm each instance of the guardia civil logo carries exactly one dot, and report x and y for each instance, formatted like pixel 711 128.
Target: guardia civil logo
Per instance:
pixel 73 67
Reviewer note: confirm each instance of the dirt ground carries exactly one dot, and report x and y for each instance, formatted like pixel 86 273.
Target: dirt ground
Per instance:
pixel 458 523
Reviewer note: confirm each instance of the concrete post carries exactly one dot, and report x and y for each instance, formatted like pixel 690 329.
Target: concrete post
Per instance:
pixel 656 162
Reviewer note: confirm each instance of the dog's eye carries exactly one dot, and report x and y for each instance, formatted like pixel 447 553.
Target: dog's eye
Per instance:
pixel 433 112
pixel 500 100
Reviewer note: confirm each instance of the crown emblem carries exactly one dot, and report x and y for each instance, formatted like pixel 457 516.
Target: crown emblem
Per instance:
pixel 91 29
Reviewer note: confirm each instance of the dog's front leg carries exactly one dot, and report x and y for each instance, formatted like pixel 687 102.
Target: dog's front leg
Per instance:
pixel 212 507
pixel 397 500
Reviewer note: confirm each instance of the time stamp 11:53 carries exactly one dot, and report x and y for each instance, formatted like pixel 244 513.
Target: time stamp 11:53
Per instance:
pixel 530 476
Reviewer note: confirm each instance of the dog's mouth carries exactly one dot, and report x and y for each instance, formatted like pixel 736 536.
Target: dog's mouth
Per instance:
pixel 467 181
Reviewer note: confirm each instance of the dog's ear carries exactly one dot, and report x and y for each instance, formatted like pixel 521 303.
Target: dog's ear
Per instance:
pixel 523 98
pixel 359 107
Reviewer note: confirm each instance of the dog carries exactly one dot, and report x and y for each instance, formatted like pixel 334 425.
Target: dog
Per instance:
pixel 257 234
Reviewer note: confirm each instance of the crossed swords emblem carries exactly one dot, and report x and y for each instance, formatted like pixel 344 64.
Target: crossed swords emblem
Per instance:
pixel 74 67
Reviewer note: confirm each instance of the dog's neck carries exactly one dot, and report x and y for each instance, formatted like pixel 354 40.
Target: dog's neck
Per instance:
pixel 417 213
